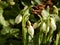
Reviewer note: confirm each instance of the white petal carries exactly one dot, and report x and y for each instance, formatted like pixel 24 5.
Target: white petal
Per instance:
pixel 35 25
pixel 30 38
pixel 44 14
pixel 44 26
pixel 31 31
pixel 18 19
pixel 53 25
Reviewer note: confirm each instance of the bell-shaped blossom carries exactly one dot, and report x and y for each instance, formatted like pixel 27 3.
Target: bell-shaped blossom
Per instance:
pixel 44 14
pixel 18 19
pixel 53 25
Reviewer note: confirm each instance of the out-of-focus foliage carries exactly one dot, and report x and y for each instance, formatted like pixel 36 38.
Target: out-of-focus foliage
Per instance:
pixel 10 32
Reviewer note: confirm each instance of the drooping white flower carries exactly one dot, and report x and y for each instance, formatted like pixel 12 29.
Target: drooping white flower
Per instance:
pixel 18 19
pixel 31 31
pixel 44 26
pixel 53 25
pixel 35 25
pixel 44 14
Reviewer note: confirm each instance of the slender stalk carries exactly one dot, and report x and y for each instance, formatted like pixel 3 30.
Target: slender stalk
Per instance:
pixel 57 39
pixel 24 20
pixel 23 33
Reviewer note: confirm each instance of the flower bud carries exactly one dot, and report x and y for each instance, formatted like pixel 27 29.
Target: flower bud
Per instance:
pixel 55 11
pixel 18 19
pixel 44 14
pixel 53 25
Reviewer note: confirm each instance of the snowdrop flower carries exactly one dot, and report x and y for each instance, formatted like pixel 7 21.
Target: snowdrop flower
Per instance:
pixel 44 26
pixel 44 14
pixel 31 31
pixel 53 25
pixel 18 19
pixel 35 25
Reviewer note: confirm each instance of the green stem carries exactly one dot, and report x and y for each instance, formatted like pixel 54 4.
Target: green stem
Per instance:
pixel 57 39
pixel 24 32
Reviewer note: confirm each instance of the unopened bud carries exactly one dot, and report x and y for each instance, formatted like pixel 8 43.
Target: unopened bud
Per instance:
pixel 18 19
pixel 55 11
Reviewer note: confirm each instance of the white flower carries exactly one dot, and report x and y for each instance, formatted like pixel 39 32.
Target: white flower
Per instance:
pixel 35 25
pixel 53 25
pixel 31 31
pixel 44 26
pixel 44 14
pixel 18 19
